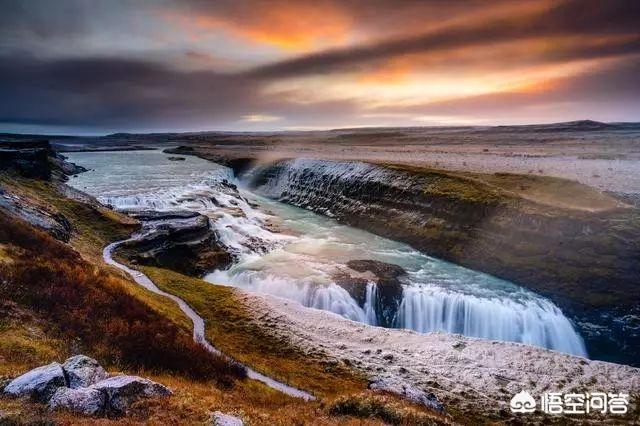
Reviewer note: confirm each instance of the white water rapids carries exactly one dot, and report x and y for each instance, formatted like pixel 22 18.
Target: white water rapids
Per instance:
pixel 293 253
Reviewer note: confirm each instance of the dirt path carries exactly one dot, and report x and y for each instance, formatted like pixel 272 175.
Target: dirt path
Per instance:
pixel 198 323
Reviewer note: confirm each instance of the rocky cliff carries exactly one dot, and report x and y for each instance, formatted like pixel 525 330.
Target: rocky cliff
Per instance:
pixel 582 253
pixel 35 159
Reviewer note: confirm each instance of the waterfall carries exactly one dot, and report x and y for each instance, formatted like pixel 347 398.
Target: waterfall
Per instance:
pixel 335 299
pixel 320 184
pixel 536 322
pixel 371 301
pixel 437 296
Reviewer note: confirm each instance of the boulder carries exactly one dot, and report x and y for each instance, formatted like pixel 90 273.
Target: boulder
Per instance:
pixel 39 384
pixel 87 401
pixel 122 391
pixel 220 419
pixel 83 371
pixel 411 393
pixel 388 285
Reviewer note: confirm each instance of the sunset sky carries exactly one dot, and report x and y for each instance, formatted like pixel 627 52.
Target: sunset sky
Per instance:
pixel 74 66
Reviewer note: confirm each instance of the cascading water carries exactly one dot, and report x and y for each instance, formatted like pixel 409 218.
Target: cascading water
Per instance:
pixel 300 257
pixel 536 321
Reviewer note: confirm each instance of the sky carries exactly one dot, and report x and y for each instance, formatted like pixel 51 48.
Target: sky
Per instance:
pixel 96 67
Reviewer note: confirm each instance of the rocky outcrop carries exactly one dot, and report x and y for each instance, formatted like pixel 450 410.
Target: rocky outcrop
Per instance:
pixel 182 241
pixel 355 286
pixel 69 169
pixel 53 223
pixel 82 386
pixel 83 371
pixel 586 262
pixel 39 384
pixel 28 158
pixel 388 286
pixel 35 159
pixel 387 279
pixel 238 164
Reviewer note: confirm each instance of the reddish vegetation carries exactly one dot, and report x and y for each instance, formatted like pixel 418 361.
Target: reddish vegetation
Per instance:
pixel 91 306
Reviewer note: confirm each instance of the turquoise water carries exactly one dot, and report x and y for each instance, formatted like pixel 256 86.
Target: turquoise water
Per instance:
pixel 293 253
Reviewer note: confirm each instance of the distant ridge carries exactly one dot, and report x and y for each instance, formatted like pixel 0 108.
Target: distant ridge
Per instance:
pixel 567 126
pixel 571 126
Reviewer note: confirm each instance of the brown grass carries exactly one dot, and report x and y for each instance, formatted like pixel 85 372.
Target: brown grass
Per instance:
pixel 24 341
pixel 91 306
pixel 231 327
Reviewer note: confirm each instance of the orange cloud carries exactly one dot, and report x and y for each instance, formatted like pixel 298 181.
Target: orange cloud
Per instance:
pixel 289 26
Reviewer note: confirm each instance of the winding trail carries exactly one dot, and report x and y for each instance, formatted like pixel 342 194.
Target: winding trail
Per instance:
pixel 198 323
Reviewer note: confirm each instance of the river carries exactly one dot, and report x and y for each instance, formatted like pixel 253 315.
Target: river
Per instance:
pixel 293 253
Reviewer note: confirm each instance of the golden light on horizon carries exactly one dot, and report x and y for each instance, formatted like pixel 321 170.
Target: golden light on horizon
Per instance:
pixel 411 88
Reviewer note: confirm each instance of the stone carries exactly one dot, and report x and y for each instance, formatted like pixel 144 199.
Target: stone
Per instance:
pixel 388 286
pixel 180 241
pixel 86 401
pixel 83 371
pixel 221 419
pixel 122 391
pixel 39 384
pixel 51 222
pixel 411 393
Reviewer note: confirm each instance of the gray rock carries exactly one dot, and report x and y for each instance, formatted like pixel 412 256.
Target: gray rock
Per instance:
pixel 178 241
pixel 220 419
pixel 83 371
pixel 122 391
pixel 53 223
pixel 87 401
pixel 411 393
pixel 40 383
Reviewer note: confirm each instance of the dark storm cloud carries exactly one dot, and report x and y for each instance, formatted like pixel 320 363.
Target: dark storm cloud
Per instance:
pixel 113 91
pixel 131 94
pixel 570 18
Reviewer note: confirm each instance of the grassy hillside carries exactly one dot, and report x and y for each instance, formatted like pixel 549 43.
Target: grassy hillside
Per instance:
pixel 91 308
